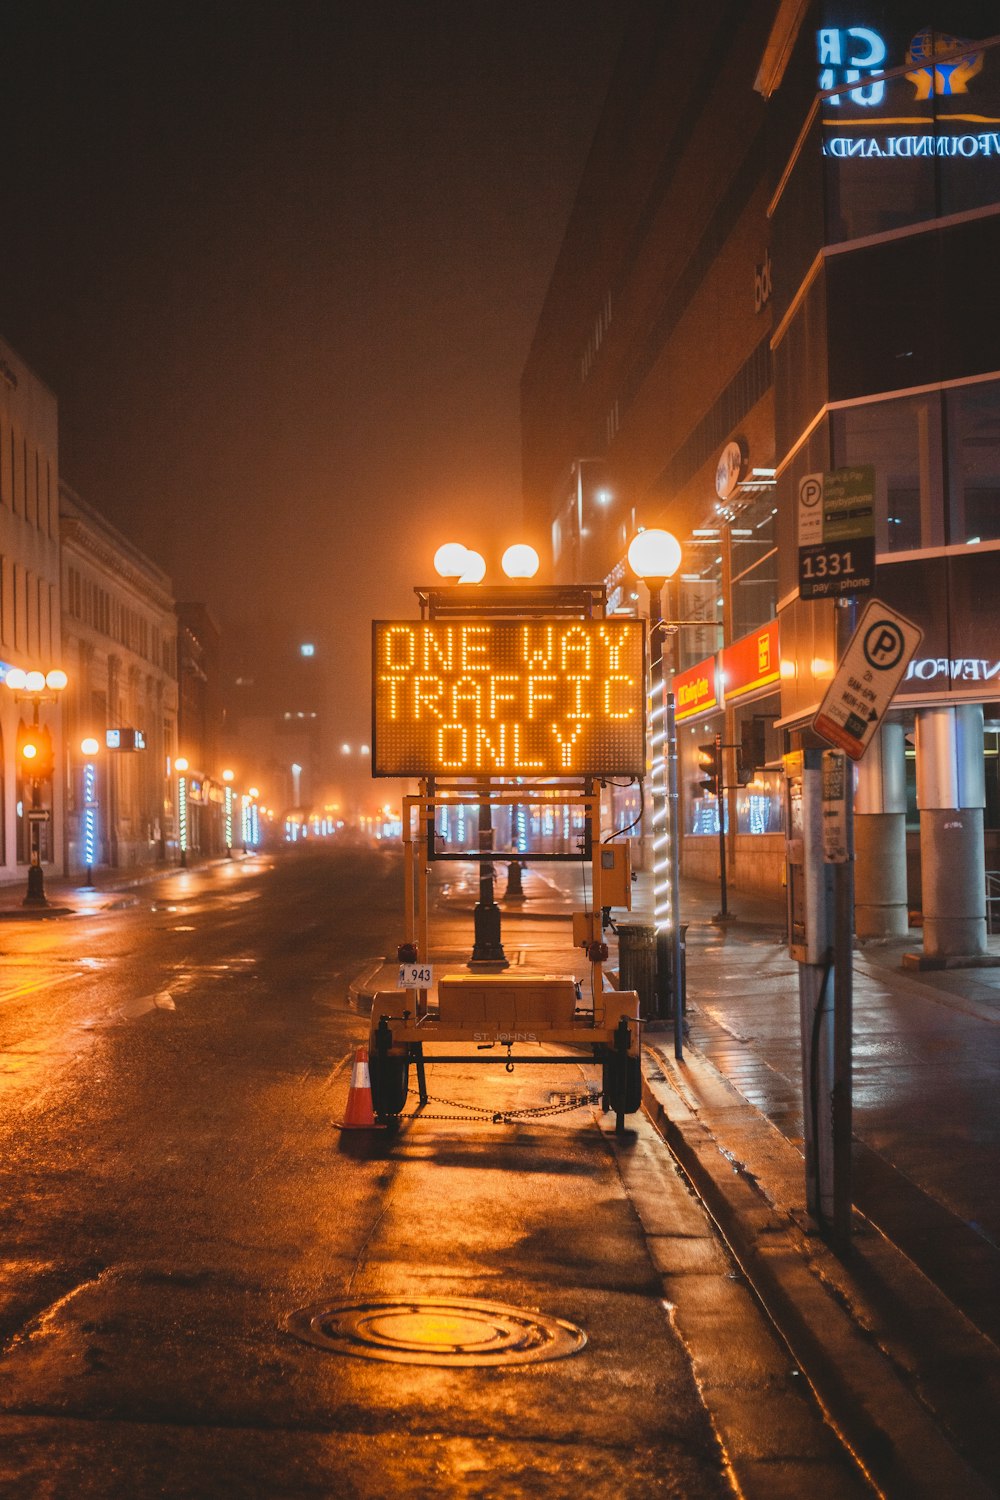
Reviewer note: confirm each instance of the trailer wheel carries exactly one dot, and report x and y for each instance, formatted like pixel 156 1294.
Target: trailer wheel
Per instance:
pixel 621 1085
pixel 390 1081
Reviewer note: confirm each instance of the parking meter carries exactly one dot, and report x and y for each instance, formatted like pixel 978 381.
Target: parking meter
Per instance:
pixel 809 878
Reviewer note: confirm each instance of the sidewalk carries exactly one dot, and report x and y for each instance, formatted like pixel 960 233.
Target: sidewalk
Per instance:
pixel 901 1339
pixel 67 897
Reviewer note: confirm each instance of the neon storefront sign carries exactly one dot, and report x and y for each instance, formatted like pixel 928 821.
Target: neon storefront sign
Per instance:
pixel 856 55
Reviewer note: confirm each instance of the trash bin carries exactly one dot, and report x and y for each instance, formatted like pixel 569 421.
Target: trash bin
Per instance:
pixel 637 964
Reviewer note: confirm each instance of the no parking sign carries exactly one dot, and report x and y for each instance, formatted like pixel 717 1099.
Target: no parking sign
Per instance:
pixel 871 670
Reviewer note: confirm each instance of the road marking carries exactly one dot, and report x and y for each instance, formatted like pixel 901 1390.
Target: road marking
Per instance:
pixel 48 982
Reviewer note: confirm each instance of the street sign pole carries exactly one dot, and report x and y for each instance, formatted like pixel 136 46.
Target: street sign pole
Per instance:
pixel 872 659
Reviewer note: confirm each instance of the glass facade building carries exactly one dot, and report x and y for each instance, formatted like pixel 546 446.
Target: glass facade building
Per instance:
pixel 780 265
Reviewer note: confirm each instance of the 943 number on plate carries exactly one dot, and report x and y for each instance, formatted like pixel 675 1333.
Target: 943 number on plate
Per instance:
pixel 415 976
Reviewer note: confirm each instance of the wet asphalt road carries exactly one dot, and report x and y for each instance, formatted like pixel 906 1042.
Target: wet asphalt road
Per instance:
pixel 174 1186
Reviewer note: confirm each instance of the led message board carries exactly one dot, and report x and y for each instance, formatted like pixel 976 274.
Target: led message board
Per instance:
pixel 508 698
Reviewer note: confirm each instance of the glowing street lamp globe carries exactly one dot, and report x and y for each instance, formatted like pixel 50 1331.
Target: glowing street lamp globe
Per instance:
pixel 449 560
pixel 35 682
pixel 520 561
pixel 56 680
pixel 89 746
pixel 654 554
pixel 474 570
pixel 17 679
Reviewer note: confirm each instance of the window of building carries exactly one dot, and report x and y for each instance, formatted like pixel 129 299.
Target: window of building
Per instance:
pixel 754 563
pixel 922 500
pixel 973 427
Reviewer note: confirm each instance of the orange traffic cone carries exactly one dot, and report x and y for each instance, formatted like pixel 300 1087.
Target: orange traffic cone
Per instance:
pixel 359 1114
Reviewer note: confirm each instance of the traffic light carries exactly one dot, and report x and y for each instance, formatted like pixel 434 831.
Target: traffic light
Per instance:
pixel 710 766
pixel 34 748
pixel 751 753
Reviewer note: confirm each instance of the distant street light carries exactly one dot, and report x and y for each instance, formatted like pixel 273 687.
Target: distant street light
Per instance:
pixel 655 556
pixel 297 782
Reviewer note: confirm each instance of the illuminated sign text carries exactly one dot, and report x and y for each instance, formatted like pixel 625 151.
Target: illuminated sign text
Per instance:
pixel 509 698
pixel 987 143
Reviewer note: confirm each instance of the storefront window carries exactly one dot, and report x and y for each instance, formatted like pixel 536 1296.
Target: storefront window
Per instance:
pixel 701 808
pixel 760 798
pixel 991 745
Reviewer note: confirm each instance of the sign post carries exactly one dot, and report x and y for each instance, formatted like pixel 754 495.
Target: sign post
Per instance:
pixel 821 898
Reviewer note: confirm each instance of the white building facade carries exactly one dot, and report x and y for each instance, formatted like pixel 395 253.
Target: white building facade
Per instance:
pixel 119 633
pixel 29 611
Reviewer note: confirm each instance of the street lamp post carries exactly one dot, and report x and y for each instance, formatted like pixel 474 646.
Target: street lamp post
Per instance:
pixel 227 777
pixel 89 748
pixel 654 556
pixel 35 748
pixel 181 767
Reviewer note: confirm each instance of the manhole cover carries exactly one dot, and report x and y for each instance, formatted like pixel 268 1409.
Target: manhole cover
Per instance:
pixel 445 1331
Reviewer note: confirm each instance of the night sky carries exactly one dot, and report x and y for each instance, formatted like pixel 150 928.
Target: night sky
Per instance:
pixel 281 265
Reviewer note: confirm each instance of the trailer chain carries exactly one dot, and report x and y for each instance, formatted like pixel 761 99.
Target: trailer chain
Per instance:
pixel 501 1116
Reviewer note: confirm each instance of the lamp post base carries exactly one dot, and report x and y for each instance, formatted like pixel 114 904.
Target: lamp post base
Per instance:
pixel 36 887
pixel 487 948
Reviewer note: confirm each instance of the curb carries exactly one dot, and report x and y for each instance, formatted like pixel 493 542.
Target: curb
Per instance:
pixel 797 1278
pixel 361 990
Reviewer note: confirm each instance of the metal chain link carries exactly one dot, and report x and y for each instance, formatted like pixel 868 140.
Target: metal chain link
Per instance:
pixel 501 1116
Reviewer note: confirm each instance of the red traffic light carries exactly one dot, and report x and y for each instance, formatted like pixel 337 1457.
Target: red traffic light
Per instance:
pixel 34 748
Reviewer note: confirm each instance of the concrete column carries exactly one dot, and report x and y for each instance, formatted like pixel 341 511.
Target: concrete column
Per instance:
pixel 951 795
pixel 880 903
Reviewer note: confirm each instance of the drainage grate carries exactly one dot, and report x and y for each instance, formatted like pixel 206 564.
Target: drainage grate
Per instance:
pixel 445 1331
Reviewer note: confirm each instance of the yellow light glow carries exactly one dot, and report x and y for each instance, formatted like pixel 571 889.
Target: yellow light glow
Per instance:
pixel 509 697
pixel 654 554
pixel 449 560
pixel 181 763
pixel 228 775
pixel 520 561
pixel 822 666
pixel 252 792
pixel 29 751
pixel 475 568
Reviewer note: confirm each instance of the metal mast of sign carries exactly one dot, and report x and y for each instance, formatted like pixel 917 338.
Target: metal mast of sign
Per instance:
pixel 821 894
